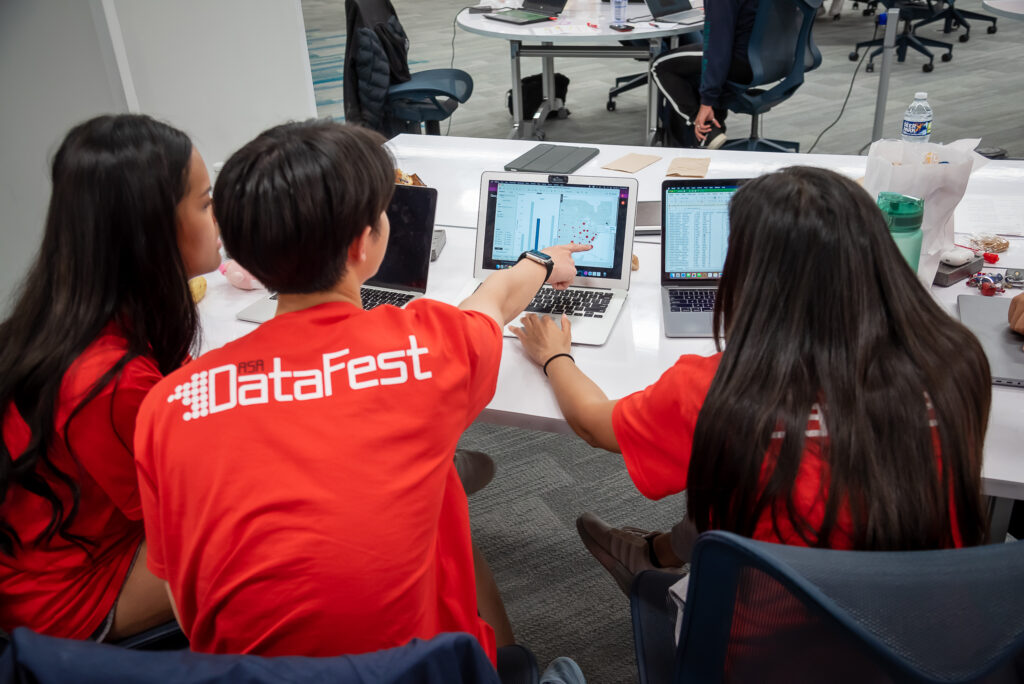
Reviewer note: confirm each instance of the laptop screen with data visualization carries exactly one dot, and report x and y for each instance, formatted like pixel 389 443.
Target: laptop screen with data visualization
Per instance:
pixel 695 229
pixel 534 215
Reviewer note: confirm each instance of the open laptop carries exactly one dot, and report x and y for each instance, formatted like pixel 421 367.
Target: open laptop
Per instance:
pixel 402 275
pixel 531 12
pixel 986 318
pixel 675 11
pixel 694 238
pixel 523 211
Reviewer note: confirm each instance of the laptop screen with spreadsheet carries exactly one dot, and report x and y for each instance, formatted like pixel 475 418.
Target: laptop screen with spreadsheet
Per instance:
pixel 695 229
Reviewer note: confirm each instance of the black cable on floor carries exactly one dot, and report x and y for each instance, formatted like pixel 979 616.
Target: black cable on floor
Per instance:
pixel 451 64
pixel 849 90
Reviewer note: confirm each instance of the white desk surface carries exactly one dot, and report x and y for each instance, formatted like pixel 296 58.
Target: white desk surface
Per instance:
pixel 1011 9
pixel 571 27
pixel 453 166
pixel 638 352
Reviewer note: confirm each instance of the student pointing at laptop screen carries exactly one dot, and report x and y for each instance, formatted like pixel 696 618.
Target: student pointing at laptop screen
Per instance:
pixel 297 484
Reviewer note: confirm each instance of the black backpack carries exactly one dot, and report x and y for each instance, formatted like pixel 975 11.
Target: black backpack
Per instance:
pixel 533 94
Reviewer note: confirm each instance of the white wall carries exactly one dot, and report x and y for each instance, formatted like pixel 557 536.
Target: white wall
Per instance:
pixel 54 72
pixel 221 70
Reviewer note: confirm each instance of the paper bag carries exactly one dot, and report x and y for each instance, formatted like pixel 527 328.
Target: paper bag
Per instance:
pixel 936 173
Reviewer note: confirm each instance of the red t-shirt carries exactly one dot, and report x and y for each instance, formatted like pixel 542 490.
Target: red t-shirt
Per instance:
pixel 59 588
pixel 655 427
pixel 298 486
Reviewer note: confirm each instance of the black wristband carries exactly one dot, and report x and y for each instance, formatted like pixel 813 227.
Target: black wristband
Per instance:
pixel 553 358
pixel 538 257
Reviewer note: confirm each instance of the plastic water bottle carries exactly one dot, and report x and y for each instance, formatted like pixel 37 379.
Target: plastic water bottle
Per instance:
pixel 917 122
pixel 619 11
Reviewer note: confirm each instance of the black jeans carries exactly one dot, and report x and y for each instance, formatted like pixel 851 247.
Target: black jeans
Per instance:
pixel 677 75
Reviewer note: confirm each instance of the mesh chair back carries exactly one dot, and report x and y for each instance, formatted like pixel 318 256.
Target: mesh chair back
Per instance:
pixel 768 612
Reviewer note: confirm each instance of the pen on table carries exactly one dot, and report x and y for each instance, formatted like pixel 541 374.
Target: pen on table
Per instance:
pixel 591 25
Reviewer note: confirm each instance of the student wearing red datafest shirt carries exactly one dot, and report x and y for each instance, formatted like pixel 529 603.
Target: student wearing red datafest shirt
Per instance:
pixel 847 410
pixel 297 484
pixel 104 313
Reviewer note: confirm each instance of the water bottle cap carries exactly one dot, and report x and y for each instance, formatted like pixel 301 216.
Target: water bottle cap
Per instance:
pixel 921 96
pixel 902 212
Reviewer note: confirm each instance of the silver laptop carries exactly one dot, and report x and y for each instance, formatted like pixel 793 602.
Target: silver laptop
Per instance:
pixel 523 211
pixel 402 275
pixel 694 238
pixel 986 318
pixel 676 11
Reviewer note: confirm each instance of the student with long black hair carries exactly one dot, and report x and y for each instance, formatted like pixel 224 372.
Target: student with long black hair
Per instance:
pixel 847 409
pixel 103 314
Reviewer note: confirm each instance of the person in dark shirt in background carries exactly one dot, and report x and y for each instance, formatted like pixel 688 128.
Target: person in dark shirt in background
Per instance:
pixel 692 81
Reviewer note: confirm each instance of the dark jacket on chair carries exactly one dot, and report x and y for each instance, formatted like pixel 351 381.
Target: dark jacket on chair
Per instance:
pixel 376 57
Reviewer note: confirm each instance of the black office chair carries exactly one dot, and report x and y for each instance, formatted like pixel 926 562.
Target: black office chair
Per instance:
pixel 772 613
pixel 781 50
pixel 911 11
pixel 954 18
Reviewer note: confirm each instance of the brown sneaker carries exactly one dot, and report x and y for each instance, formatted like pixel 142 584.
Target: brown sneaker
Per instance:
pixel 475 469
pixel 623 551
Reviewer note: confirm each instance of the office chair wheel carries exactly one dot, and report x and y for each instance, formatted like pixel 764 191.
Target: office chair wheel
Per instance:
pixel 965 37
pixel 854 56
pixel 540 135
pixel 928 68
pixel 870 67
pixel 947 57
pixel 611 105
pixel 991 29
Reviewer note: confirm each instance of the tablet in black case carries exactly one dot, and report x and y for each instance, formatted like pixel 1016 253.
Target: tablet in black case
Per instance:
pixel 546 158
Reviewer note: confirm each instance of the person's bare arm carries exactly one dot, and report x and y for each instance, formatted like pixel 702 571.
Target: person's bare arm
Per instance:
pixel 585 406
pixel 505 294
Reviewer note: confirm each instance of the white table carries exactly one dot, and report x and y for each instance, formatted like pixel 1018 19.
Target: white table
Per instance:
pixel 1011 9
pixel 581 30
pixel 638 352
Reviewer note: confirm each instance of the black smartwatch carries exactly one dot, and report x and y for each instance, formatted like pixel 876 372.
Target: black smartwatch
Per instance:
pixel 541 258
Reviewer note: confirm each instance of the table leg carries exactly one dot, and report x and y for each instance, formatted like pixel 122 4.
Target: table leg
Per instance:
pixel 518 124
pixel 652 94
pixel 548 103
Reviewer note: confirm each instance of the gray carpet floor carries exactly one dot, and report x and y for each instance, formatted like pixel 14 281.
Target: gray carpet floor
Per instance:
pixel 560 601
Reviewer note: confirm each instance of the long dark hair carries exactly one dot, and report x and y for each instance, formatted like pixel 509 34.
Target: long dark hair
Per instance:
pixel 819 307
pixel 109 253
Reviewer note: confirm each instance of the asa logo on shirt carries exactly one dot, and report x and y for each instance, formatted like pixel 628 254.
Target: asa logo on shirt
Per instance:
pixel 225 387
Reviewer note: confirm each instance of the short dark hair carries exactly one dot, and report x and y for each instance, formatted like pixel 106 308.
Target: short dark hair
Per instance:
pixel 291 201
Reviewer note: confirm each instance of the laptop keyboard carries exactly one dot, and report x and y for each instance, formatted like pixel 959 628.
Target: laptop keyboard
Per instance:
pixel 691 300
pixel 373 298
pixel 571 302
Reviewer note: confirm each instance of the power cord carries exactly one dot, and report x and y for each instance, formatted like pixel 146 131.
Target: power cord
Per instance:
pixel 849 90
pixel 451 63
